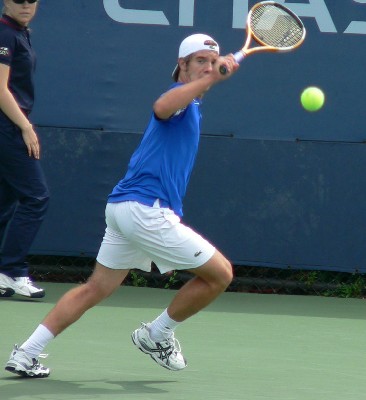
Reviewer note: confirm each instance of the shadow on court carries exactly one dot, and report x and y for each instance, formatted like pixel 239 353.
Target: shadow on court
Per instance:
pixel 48 388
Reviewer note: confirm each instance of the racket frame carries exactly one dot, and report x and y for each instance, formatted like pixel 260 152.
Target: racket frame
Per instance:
pixel 245 51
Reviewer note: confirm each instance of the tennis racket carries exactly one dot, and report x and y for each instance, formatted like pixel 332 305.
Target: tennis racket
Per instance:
pixel 274 27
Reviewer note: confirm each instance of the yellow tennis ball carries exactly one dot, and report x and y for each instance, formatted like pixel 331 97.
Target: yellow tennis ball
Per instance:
pixel 312 98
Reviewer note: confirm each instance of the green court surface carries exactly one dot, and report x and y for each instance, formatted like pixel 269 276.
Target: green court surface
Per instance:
pixel 243 346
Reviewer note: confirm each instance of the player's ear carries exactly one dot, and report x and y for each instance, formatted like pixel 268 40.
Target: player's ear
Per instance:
pixel 183 64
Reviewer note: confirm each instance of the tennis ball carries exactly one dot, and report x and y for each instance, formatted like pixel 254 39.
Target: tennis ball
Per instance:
pixel 312 98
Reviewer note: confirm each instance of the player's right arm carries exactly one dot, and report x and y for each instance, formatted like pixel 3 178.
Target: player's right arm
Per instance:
pixel 180 96
pixel 10 108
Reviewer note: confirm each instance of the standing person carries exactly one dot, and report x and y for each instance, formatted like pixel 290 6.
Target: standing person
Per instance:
pixel 143 221
pixel 23 190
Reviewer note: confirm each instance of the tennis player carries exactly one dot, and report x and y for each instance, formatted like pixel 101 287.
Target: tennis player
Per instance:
pixel 143 221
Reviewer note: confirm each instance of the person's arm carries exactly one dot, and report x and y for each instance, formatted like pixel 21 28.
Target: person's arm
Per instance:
pixel 180 96
pixel 10 108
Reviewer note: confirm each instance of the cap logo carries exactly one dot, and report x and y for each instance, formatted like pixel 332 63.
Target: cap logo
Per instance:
pixel 211 44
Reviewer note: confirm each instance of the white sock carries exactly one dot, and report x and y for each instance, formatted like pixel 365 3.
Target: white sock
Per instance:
pixel 37 341
pixel 162 327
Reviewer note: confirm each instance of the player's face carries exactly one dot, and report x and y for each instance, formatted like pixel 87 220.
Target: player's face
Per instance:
pixel 22 13
pixel 200 64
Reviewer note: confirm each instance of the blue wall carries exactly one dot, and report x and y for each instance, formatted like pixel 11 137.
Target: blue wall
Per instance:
pixel 273 185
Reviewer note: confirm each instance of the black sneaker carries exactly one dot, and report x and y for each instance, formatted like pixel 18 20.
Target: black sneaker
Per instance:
pixel 6 292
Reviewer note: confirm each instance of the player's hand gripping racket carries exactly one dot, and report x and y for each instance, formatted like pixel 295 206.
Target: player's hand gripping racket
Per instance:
pixel 274 27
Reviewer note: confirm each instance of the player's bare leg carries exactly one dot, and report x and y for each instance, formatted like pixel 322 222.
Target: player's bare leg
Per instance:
pixel 210 281
pixel 24 359
pixel 101 284
pixel 157 338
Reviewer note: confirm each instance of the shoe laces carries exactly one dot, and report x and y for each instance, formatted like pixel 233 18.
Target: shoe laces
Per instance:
pixel 25 280
pixel 174 343
pixel 36 363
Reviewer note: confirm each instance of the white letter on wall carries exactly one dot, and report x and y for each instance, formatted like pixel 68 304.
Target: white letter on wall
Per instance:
pixel 131 16
pixel 358 27
pixel 186 12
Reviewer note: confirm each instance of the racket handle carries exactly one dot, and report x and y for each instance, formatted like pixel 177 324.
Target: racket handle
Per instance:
pixel 239 57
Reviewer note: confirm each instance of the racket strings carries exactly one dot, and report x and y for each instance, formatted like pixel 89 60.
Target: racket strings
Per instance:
pixel 275 27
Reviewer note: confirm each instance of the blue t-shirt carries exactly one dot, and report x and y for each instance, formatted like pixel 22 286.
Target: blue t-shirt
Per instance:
pixel 161 166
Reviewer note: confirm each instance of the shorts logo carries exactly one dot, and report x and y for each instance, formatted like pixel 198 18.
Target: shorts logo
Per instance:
pixel 4 51
pixel 197 253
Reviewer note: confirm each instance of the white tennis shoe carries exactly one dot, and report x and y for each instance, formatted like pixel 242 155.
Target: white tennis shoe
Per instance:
pixel 22 285
pixel 21 364
pixel 166 353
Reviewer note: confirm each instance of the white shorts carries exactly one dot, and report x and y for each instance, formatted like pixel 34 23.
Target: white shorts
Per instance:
pixel 137 234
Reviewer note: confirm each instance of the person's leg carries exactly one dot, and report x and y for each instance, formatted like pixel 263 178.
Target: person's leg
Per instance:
pixel 174 246
pixel 7 197
pixel 102 283
pixel 25 181
pixel 157 338
pixel 72 305
pixel 210 281
pixel 7 206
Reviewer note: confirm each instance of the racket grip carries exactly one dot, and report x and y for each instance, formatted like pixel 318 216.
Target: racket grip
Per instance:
pixel 239 57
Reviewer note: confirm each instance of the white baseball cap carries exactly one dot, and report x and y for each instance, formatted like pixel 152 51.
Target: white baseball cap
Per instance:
pixel 192 44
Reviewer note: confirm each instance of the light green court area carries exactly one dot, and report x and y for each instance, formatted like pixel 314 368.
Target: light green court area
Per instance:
pixel 243 346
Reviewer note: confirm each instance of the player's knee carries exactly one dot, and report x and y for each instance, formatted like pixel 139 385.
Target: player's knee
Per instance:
pixel 224 276
pixel 227 273
pixel 96 291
